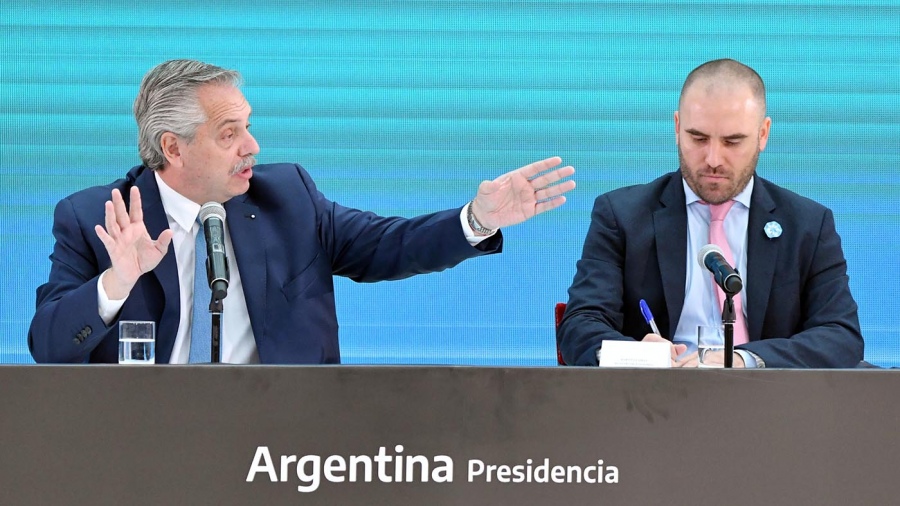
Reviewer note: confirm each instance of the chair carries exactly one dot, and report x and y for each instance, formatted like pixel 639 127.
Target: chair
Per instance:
pixel 558 311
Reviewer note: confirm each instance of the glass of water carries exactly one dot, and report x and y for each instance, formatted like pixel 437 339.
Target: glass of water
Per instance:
pixel 710 339
pixel 137 342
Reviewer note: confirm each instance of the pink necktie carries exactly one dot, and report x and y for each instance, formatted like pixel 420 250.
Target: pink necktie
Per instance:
pixel 717 236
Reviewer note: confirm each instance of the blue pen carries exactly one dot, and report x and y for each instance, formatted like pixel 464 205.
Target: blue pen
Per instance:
pixel 645 310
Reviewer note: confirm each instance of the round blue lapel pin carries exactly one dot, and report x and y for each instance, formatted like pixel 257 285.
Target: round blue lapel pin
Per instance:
pixel 773 229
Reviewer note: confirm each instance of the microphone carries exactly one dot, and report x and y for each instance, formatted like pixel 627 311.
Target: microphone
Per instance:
pixel 726 277
pixel 212 215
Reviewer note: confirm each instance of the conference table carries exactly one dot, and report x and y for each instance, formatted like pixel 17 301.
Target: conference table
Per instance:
pixel 340 435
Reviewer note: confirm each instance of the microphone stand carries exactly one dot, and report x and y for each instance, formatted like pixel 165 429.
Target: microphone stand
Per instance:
pixel 728 318
pixel 215 309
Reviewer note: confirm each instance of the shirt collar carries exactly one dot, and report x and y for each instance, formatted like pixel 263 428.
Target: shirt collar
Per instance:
pixel 744 197
pixel 179 208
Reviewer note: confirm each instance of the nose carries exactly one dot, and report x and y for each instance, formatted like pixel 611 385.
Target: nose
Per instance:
pixel 251 147
pixel 713 154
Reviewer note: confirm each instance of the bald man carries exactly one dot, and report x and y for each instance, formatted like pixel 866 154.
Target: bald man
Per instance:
pixel 795 309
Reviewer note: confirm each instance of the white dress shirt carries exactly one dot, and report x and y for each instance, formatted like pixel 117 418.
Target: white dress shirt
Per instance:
pixel 238 342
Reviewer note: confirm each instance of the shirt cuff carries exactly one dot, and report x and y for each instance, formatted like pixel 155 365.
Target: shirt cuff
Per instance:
pixel 107 308
pixel 467 230
pixel 749 359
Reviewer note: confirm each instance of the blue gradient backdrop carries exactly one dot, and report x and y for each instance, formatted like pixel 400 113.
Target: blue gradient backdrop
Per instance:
pixel 403 107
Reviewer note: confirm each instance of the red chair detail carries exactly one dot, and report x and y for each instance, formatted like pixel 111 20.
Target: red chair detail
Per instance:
pixel 558 313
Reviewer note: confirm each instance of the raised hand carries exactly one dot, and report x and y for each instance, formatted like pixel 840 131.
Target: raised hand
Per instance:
pixel 521 194
pixel 131 250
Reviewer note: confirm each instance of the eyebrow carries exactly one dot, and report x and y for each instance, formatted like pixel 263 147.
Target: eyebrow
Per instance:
pixel 732 137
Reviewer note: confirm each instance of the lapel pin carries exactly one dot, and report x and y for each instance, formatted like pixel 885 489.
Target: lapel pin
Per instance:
pixel 773 230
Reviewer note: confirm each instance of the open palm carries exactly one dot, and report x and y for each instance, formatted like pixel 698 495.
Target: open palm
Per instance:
pixel 521 194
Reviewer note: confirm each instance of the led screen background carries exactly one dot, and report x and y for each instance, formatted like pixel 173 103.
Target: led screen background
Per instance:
pixel 404 107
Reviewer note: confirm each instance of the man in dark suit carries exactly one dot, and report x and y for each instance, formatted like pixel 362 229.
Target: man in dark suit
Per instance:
pixel 643 243
pixel 284 239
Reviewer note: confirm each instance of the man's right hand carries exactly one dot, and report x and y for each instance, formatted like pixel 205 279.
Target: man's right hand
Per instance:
pixel 675 349
pixel 131 250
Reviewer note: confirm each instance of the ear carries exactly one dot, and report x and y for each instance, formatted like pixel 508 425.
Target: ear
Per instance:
pixel 764 133
pixel 677 128
pixel 171 149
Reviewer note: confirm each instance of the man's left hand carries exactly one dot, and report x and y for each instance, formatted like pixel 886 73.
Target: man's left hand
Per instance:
pixel 521 194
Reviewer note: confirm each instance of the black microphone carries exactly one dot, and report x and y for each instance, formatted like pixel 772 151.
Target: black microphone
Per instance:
pixel 212 215
pixel 726 277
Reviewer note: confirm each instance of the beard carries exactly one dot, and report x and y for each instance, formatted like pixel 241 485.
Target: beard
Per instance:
pixel 717 193
pixel 245 163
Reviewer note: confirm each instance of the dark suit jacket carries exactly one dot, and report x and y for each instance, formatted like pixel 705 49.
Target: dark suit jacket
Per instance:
pixel 800 312
pixel 288 241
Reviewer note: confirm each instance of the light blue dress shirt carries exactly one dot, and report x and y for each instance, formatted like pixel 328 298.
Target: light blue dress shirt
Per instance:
pixel 701 307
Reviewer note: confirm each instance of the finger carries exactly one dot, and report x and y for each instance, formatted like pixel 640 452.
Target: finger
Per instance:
pixel 110 218
pixel 689 361
pixel 549 178
pixel 136 211
pixel 553 191
pixel 488 187
pixel 119 206
pixel 548 205
pixel 535 168
pixel 104 237
pixel 162 242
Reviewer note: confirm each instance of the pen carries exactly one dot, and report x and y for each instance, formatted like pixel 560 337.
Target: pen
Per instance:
pixel 645 310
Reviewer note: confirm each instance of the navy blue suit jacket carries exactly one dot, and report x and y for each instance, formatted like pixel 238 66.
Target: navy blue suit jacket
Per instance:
pixel 800 312
pixel 289 241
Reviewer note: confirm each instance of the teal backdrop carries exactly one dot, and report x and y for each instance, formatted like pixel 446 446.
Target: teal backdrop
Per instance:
pixel 403 107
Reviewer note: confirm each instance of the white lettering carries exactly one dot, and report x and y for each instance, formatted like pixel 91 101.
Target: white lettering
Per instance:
pixel 335 464
pixel 587 475
pixel 286 461
pixel 411 462
pixel 559 474
pixel 612 474
pixel 309 480
pixel 355 460
pixel 262 462
pixel 383 459
pixel 442 473
pixel 476 468
pixel 542 472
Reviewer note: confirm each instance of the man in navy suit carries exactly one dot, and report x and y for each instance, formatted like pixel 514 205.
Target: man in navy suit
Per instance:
pixel 643 242
pixel 284 239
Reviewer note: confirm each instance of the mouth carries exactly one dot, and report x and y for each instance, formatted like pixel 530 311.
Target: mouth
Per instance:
pixel 244 169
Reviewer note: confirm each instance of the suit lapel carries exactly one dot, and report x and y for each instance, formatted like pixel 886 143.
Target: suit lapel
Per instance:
pixel 249 245
pixel 670 226
pixel 762 254
pixel 166 272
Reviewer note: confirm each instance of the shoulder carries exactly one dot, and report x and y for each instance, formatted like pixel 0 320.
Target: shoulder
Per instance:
pixel 280 178
pixel 90 200
pixel 645 196
pixel 790 202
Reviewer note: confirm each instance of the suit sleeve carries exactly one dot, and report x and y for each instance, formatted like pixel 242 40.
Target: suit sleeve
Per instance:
pixel 829 333
pixel 66 326
pixel 366 247
pixel 594 310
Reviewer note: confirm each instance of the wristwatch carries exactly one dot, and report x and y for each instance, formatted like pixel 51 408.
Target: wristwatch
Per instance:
pixel 470 216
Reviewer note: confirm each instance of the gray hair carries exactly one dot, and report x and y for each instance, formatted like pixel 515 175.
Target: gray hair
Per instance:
pixel 168 102
pixel 728 72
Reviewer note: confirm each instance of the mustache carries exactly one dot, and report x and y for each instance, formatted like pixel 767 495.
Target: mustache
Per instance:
pixel 245 163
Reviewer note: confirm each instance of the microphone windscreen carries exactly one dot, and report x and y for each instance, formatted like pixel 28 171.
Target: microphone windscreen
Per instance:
pixel 706 250
pixel 211 209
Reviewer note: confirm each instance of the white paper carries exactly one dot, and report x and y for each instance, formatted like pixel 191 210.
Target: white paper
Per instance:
pixel 636 354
